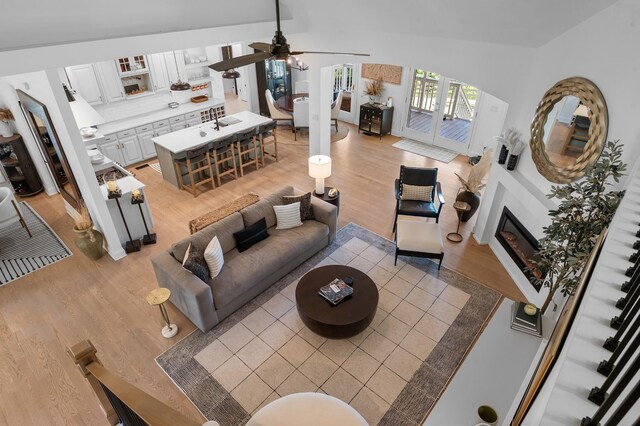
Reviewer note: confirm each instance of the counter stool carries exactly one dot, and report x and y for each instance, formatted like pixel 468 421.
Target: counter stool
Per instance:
pixel 267 136
pixel 224 161
pixel 198 163
pixel 418 239
pixel 245 145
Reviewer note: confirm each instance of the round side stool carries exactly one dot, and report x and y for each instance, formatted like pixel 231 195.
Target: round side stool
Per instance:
pixel 460 207
pixel 157 297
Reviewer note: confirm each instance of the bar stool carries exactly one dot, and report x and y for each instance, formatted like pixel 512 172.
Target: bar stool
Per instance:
pixel 245 145
pixel 224 160
pixel 198 163
pixel 267 136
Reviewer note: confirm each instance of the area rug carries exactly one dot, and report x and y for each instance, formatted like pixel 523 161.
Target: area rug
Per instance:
pixel 425 150
pixel 21 255
pixel 155 166
pixel 303 136
pixel 392 373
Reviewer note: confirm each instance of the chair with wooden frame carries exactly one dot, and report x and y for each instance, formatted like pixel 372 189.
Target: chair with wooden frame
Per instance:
pixel 245 145
pixel 224 159
pixel 418 176
pixel 10 210
pixel 267 136
pixel 197 163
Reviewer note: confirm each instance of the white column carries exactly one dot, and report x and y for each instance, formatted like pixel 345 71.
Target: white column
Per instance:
pixel 320 95
pixel 80 164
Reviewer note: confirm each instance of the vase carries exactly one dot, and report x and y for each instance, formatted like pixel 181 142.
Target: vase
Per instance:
pixel 513 160
pixel 502 158
pixel 473 200
pixel 89 242
pixel 372 100
pixel 487 415
pixel 5 129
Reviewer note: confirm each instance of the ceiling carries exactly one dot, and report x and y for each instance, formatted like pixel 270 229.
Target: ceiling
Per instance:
pixel 517 22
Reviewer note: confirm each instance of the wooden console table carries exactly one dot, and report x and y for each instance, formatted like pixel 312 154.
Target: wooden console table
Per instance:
pixel 375 119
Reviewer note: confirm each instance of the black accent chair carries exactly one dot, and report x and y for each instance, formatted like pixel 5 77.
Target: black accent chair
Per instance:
pixel 420 177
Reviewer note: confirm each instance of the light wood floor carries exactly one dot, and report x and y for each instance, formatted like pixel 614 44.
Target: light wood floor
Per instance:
pixel 44 313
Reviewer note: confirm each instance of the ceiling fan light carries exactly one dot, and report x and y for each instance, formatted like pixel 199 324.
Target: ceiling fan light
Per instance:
pixel 232 73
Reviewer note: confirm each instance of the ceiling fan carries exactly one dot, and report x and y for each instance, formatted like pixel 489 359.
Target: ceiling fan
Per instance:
pixel 278 49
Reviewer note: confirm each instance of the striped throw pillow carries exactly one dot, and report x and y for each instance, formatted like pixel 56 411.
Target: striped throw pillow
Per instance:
pixel 288 216
pixel 214 257
pixel 416 193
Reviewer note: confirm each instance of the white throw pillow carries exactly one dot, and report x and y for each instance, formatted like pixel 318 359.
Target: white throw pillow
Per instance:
pixel 214 257
pixel 288 216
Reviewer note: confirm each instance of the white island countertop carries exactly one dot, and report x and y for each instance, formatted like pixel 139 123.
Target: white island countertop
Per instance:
pixel 190 137
pixel 161 114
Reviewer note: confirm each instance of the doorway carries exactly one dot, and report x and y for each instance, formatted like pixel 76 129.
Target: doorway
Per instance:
pixel 343 79
pixel 442 111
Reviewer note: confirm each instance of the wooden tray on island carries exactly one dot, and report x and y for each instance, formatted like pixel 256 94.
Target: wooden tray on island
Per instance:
pixel 198 99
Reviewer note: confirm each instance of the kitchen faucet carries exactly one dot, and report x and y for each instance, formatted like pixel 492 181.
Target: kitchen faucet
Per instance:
pixel 212 112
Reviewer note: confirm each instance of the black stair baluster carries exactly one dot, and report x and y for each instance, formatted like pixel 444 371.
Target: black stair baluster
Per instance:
pixel 627 314
pixel 607 365
pixel 599 394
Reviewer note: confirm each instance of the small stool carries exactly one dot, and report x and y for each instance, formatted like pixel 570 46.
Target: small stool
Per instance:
pixel 246 144
pixel 224 160
pixel 461 207
pixel 198 163
pixel 418 239
pixel 157 297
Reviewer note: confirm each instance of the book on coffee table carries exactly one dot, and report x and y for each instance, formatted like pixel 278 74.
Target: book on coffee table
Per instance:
pixel 335 291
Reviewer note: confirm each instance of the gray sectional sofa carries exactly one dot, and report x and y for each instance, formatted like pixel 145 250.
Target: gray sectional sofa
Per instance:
pixel 246 274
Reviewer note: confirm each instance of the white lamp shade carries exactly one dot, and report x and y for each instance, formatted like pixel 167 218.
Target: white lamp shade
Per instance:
pixel 84 113
pixel 320 166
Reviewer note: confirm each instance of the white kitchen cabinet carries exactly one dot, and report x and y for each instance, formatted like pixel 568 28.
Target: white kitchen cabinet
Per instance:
pixel 171 66
pixel 194 122
pixel 112 151
pixel 130 150
pixel 159 73
pixel 111 83
pixel 84 81
pixel 147 147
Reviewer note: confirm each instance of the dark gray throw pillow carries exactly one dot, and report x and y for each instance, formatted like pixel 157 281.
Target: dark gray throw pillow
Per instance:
pixel 251 234
pixel 306 209
pixel 194 262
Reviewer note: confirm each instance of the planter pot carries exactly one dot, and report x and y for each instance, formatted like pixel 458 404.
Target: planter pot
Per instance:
pixel 513 160
pixel 372 100
pixel 5 129
pixel 474 202
pixel 487 415
pixel 89 242
pixel 502 158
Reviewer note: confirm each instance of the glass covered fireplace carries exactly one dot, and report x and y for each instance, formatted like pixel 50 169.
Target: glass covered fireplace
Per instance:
pixel 519 243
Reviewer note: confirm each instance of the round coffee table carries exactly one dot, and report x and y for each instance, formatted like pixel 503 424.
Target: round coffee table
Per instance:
pixel 349 317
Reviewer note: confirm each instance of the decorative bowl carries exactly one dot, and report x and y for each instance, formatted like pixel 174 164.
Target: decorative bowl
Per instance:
pixel 88 132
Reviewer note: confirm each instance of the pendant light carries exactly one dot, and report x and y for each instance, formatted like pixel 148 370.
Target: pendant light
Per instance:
pixel 232 73
pixel 178 85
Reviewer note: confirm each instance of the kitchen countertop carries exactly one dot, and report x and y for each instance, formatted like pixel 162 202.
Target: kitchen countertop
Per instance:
pixel 126 184
pixel 162 114
pixel 190 137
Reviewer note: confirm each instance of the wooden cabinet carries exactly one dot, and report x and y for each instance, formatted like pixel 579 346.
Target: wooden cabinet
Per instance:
pixel 84 81
pixel 375 119
pixel 111 83
pixel 132 64
pixel 18 166
pixel 159 73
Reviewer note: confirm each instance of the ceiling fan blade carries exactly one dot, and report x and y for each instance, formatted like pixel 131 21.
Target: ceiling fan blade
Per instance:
pixel 265 47
pixel 330 53
pixel 240 61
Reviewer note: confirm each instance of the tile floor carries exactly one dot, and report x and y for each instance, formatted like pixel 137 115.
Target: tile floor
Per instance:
pixel 272 354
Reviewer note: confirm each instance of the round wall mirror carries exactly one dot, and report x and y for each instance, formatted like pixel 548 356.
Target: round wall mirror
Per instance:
pixel 569 130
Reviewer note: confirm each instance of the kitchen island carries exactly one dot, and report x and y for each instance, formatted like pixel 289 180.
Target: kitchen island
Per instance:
pixel 173 145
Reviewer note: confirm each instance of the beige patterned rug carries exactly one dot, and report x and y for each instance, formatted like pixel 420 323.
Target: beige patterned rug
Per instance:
pixel 392 373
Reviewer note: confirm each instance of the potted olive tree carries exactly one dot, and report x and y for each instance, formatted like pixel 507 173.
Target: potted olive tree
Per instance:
pixel 88 240
pixel 585 210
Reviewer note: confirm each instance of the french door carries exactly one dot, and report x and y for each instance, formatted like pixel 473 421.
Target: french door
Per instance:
pixel 343 79
pixel 441 111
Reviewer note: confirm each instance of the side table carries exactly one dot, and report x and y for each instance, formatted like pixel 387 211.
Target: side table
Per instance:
pixel 335 200
pixel 158 296
pixel 460 207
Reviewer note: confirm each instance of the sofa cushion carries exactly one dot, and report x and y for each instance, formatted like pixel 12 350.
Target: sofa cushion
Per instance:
pixel 251 235
pixel 223 229
pixel 288 216
pixel 194 262
pixel 264 208
pixel 214 257
pixel 243 270
pixel 306 211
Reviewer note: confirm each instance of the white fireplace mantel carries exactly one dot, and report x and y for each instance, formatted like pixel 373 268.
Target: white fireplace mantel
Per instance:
pixel 528 203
